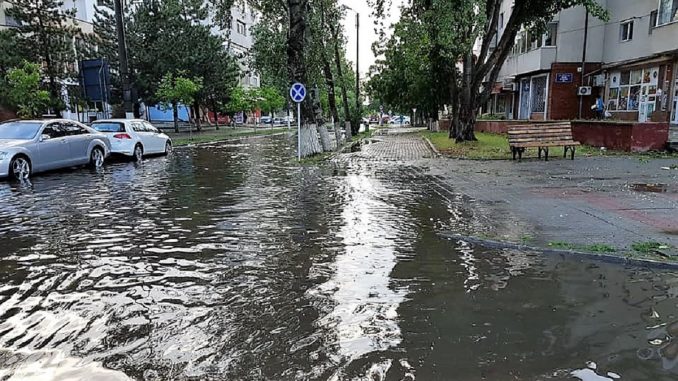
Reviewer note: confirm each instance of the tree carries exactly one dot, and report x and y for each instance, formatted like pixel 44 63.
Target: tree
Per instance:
pixel 177 89
pixel 22 90
pixel 455 27
pixel 47 33
pixel 12 51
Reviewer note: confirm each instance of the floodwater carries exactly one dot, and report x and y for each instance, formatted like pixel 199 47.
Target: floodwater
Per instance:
pixel 230 262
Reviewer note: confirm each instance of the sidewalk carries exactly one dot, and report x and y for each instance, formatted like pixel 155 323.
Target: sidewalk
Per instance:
pixel 610 202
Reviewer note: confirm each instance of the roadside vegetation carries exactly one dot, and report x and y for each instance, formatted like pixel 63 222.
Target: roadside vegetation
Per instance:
pixel 495 147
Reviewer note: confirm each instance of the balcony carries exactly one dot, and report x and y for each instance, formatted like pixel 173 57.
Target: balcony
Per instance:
pixel 532 61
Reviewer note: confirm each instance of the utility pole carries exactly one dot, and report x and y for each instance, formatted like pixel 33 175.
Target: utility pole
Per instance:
pixel 357 71
pixel 583 62
pixel 122 54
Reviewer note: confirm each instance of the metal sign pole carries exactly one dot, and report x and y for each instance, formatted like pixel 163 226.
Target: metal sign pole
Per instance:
pixel 299 131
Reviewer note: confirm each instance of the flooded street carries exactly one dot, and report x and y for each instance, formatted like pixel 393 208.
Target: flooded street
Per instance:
pixel 232 262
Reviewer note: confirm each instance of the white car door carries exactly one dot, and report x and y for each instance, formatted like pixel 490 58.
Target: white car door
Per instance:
pixel 145 136
pixel 158 139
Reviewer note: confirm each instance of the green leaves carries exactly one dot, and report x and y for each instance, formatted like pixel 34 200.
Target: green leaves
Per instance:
pixel 178 89
pixel 23 90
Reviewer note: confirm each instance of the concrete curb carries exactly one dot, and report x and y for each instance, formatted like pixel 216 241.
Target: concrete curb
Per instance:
pixel 432 147
pixel 229 140
pixel 571 253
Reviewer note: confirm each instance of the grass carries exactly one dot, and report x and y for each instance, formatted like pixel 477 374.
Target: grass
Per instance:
pixel 488 146
pixel 364 134
pixel 650 247
pixel 183 139
pixel 594 248
pixel 495 147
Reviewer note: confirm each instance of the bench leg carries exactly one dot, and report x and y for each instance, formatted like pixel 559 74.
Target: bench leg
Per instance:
pixel 565 151
pixel 513 152
pixel 546 153
pixel 573 149
pixel 539 152
pixel 520 154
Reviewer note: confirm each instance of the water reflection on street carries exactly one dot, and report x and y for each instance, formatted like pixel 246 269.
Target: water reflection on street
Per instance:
pixel 231 262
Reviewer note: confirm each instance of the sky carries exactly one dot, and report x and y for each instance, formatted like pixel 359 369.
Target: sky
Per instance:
pixel 367 33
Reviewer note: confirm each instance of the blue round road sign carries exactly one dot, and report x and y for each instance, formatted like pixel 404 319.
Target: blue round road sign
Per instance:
pixel 298 92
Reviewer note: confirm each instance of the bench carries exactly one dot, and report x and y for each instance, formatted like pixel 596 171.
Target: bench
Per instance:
pixel 541 136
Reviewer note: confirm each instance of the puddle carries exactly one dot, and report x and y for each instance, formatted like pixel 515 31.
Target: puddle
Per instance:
pixel 650 188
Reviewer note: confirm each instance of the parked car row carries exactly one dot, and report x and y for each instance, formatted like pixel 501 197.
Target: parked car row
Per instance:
pixel 32 146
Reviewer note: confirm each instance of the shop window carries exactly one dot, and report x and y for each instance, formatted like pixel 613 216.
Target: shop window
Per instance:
pixel 539 94
pixel 626 31
pixel 633 86
pixel 667 12
pixel 241 28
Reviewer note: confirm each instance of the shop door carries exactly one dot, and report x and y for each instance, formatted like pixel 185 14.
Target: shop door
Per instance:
pixel 524 99
pixel 674 117
pixel 648 94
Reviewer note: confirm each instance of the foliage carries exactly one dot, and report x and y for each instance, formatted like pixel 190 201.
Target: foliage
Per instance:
pixel 47 33
pixel 12 51
pixel 177 89
pixel 23 91
pixel 267 99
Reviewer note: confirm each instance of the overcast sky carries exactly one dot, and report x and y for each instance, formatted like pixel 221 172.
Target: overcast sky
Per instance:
pixel 367 34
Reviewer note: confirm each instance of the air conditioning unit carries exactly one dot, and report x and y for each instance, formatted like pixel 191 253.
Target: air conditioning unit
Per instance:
pixel 510 86
pixel 599 80
pixel 584 91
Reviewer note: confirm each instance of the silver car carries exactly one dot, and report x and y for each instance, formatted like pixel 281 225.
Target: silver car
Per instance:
pixel 31 146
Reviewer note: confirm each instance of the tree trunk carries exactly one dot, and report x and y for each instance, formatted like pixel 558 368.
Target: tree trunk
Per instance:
pixel 342 85
pixel 196 115
pixel 467 111
pixel 296 66
pixel 324 138
pixel 175 116
pixel 216 114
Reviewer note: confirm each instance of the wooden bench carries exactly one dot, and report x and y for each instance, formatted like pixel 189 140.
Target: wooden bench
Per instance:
pixel 541 136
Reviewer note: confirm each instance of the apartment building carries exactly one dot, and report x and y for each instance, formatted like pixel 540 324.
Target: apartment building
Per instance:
pixel 240 41
pixel 631 60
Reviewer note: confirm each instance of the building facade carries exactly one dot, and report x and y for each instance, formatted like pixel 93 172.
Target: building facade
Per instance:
pixel 240 42
pixel 631 60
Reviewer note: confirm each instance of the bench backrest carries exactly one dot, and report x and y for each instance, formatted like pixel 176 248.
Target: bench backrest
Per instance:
pixel 546 132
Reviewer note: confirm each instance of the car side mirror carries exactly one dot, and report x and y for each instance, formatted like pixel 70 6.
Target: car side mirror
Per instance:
pixel 45 137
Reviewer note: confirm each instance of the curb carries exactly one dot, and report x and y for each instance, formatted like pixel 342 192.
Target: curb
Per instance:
pixel 648 263
pixel 229 140
pixel 432 147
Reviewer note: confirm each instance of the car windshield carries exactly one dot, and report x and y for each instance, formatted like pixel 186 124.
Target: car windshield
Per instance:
pixel 108 127
pixel 19 130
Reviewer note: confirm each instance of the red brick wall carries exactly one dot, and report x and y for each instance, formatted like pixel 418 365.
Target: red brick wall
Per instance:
pixel 496 126
pixel 563 102
pixel 636 137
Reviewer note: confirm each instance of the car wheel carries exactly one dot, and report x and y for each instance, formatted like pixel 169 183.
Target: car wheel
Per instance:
pixel 96 158
pixel 138 155
pixel 168 148
pixel 20 168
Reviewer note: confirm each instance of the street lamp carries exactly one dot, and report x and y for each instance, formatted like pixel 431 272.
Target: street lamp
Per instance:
pixel 357 66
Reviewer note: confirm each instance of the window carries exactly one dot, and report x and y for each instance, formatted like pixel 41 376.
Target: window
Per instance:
pixel 241 28
pixel 626 31
pixel 668 11
pixel 653 21
pixel 501 21
pixel 150 128
pixel 625 94
pixel 108 127
pixel 138 127
pixel 551 34
pixel 11 21
pixel 72 129
pixel 54 130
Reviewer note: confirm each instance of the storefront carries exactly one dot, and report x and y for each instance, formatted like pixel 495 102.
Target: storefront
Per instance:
pixel 642 93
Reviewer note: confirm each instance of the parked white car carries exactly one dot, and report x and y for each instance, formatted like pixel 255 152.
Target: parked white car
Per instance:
pixel 134 138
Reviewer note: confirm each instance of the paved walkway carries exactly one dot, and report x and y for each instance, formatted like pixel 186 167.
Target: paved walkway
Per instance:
pixel 616 201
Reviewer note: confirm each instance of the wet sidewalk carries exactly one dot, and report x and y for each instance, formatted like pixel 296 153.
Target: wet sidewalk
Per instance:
pixel 614 201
